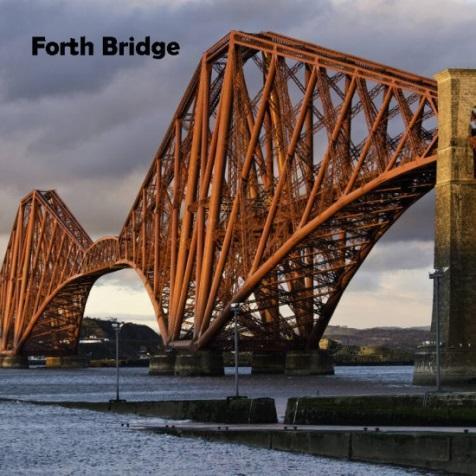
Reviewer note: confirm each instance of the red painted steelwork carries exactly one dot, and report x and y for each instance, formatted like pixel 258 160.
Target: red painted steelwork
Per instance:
pixel 283 165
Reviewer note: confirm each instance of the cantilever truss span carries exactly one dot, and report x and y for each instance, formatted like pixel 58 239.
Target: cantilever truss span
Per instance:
pixel 283 165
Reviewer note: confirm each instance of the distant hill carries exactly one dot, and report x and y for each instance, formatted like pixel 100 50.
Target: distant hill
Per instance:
pixel 402 339
pixel 97 340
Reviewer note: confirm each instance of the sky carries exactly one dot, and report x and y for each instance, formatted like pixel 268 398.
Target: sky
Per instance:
pixel 89 126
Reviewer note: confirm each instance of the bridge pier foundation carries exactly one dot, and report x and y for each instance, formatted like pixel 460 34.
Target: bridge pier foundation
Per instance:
pixel 317 362
pixel 456 367
pixel 298 363
pixel 267 363
pixel 67 362
pixel 14 362
pixel 321 363
pixel 202 363
pixel 454 303
pixel 211 363
pixel 163 363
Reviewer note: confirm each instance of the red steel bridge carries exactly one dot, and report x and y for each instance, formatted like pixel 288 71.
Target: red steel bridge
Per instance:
pixel 283 165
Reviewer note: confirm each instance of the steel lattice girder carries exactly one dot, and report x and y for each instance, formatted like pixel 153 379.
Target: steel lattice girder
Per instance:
pixel 283 165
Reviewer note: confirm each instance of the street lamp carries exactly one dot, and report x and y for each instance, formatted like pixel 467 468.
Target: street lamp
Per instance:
pixel 117 327
pixel 436 275
pixel 235 309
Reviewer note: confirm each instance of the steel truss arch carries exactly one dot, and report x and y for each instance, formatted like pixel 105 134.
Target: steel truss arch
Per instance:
pixel 283 165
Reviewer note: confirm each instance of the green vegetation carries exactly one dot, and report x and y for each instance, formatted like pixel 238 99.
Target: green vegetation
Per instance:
pixel 378 345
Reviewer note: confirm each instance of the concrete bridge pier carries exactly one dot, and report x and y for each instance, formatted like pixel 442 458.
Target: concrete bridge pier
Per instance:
pixel 455 233
pixel 322 363
pixel 162 363
pixel 457 366
pixel 316 362
pixel 201 363
pixel 14 362
pixel 268 362
pixel 67 362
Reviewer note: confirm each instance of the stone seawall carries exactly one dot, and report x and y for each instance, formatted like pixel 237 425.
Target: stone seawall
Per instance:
pixel 426 410
pixel 453 452
pixel 231 410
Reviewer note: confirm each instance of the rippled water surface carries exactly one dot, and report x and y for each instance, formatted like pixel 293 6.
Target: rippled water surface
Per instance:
pixel 98 384
pixel 44 440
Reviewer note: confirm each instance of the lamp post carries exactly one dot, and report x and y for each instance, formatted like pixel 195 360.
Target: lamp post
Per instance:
pixel 436 275
pixel 235 308
pixel 117 327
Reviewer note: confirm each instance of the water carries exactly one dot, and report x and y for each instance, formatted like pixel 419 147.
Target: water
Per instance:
pixel 44 440
pixel 98 384
pixel 398 376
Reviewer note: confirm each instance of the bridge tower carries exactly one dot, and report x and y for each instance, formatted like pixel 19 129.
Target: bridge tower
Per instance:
pixel 455 231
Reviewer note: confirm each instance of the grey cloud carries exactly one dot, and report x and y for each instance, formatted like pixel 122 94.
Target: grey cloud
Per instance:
pixel 406 255
pixel 58 21
pixel 423 37
pixel 387 258
pixel 365 281
pixel 4 238
pixel 196 26
pixel 102 205
pixel 417 223
pixel 124 279
pixel 89 126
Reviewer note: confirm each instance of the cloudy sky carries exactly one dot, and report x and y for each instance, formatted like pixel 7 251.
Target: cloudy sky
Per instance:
pixel 88 126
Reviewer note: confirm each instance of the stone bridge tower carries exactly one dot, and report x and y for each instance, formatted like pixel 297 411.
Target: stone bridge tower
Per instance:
pixel 455 231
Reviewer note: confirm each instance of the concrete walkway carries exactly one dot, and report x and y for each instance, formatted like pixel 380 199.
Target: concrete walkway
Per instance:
pixel 449 449
pixel 189 426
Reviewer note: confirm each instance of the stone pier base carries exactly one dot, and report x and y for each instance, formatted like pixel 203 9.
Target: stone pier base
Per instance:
pixel 298 363
pixel 211 363
pixel 201 363
pixel 458 366
pixel 14 362
pixel 316 362
pixel 187 365
pixel 267 362
pixel 162 363
pixel 321 363
pixel 67 362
